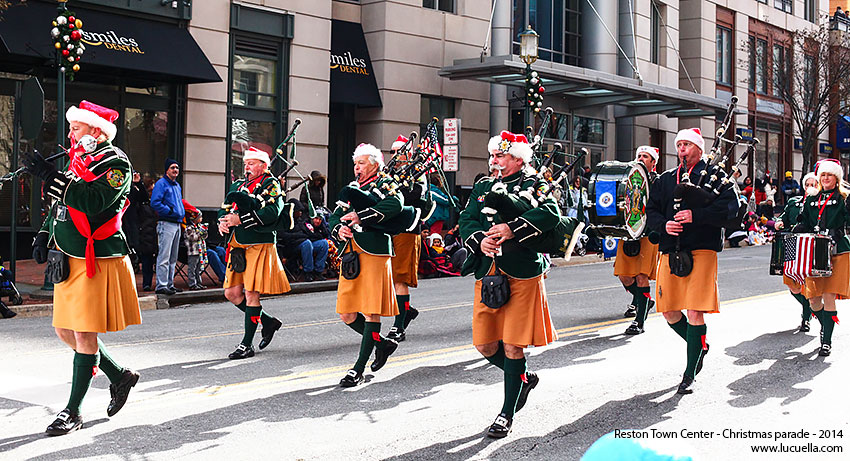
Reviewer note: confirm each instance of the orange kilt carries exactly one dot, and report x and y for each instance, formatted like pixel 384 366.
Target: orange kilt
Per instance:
pixel 405 263
pixel 523 321
pixel 646 262
pixel 697 292
pixel 791 284
pixel 263 272
pixel 838 282
pixel 106 302
pixel 372 292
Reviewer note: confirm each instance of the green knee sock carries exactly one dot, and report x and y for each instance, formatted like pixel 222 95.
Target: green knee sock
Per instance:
pixel 265 319
pixel 370 332
pixel 828 321
pixel 498 359
pixel 633 290
pixel 112 370
pixel 252 317
pixel 241 306
pixel 696 347
pixel 85 367
pixel 403 307
pixel 642 305
pixel 680 327
pixel 358 324
pixel 514 370
pixel 807 308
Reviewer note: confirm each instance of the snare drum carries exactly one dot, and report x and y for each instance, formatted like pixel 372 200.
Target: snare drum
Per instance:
pixel 618 194
pixel 777 254
pixel 812 254
pixel 824 248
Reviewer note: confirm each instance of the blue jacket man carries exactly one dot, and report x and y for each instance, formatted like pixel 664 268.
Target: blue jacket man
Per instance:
pixel 167 201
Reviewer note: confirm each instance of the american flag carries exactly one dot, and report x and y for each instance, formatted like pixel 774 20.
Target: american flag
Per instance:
pixel 431 142
pixel 799 257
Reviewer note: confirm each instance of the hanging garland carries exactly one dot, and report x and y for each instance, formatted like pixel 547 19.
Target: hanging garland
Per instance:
pixel 534 91
pixel 66 33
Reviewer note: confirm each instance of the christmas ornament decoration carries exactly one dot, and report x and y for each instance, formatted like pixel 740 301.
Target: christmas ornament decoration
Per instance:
pixel 534 89
pixel 67 33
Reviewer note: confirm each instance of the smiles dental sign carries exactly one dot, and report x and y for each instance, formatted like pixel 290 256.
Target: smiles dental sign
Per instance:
pixel 349 64
pixel 112 41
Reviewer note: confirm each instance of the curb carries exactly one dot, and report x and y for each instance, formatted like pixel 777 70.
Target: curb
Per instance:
pixel 146 303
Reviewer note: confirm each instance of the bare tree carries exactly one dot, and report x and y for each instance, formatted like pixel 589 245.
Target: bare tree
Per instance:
pixel 814 84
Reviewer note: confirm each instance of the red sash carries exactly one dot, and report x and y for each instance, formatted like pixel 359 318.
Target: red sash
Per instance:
pixel 80 166
pixel 108 229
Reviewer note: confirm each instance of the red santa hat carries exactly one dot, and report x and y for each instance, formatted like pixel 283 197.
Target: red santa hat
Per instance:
pixel 256 154
pixel 831 166
pixel 95 116
pixel 692 135
pixel 375 155
pixel 509 143
pixel 652 151
pixel 399 141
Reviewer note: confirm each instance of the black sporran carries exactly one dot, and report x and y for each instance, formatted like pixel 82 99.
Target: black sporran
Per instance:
pixel 238 261
pixel 58 267
pixel 349 266
pixel 495 290
pixel 631 248
pixel 681 263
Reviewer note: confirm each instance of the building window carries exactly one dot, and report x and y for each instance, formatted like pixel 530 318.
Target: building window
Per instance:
pixel 254 81
pixel 723 61
pixel 557 22
pixel 655 33
pixel 588 130
pixel 784 5
pixel 758 65
pixel 780 70
pixel 810 12
pixel 435 106
pixel 442 5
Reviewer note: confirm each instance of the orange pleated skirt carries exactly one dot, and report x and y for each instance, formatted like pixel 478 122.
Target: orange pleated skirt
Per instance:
pixel 838 282
pixel 646 262
pixel 263 272
pixel 372 292
pixel 405 263
pixel 106 302
pixel 697 292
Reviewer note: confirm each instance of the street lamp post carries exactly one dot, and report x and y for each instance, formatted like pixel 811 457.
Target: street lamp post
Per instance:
pixel 528 41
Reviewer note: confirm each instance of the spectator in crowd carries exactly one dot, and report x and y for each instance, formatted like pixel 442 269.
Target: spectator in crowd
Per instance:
pixel 790 187
pixel 316 188
pixel 755 230
pixel 196 247
pixel 435 261
pixel 441 212
pixel 766 206
pixel 167 201
pixel 576 198
pixel 216 256
pixel 296 242
pixel 318 234
pixel 586 172
pixel 147 248
pixel 130 221
pixel 455 249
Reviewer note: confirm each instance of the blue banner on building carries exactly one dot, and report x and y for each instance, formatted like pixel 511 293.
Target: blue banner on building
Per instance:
pixel 842 132
pixel 798 143
pixel 825 148
pixel 745 133
pixel 606 198
pixel 609 247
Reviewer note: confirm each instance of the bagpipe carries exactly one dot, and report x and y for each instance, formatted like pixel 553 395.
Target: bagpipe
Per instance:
pixel 547 178
pixel 714 180
pixel 397 177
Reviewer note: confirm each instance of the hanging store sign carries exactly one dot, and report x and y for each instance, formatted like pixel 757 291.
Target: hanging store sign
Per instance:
pixel 825 148
pixel 798 143
pixel 352 75
pixel 745 133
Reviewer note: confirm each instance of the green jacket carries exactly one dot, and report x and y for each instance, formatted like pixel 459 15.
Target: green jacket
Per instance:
pixel 370 240
pixel 100 199
pixel 835 216
pixel 516 260
pixel 261 211
pixel 790 213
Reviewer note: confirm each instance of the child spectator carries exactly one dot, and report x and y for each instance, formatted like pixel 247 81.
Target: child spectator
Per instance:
pixel 195 236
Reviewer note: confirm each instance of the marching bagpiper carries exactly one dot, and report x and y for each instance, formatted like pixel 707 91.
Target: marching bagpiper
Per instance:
pixel 249 218
pixel 501 334
pixel 368 294
pixel 95 290
pixel 636 271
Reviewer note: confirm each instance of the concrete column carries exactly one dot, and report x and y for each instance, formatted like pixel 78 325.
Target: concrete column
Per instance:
pixel 500 46
pixel 625 35
pixel 599 53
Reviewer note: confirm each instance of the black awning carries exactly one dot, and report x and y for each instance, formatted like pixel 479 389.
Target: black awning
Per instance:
pixel 134 45
pixel 352 76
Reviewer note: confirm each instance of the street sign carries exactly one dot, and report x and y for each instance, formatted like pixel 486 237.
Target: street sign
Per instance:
pixel 746 133
pixel 825 148
pixel 451 155
pixel 451 131
pixel 798 143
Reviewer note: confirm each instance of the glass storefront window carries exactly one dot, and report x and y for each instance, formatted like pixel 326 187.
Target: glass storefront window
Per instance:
pixel 146 140
pixel 254 81
pixel 245 134
pixel 588 130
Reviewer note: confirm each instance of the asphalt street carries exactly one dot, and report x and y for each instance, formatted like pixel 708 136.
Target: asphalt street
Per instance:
pixel 436 396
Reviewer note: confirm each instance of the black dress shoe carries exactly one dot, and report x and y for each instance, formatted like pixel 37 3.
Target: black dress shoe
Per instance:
pixel 804 327
pixel 165 291
pixel 634 328
pixel 268 332
pixel 825 350
pixel 701 359
pixel 396 334
pixel 383 353
pixel 307 277
pixel 411 314
pixel 501 427
pixel 530 383
pixel 5 312
pixel 242 352
pixel 685 385
pixel 631 311
pixel 120 391
pixel 351 379
pixel 318 277
pixel 64 423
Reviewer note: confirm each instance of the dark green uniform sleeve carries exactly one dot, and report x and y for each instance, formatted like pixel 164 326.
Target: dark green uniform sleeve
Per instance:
pixel 334 221
pixel 270 203
pixel 93 198
pixel 535 221
pixel 388 207
pixel 471 229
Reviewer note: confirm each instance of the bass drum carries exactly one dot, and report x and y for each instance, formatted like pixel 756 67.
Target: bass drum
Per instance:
pixel 617 194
